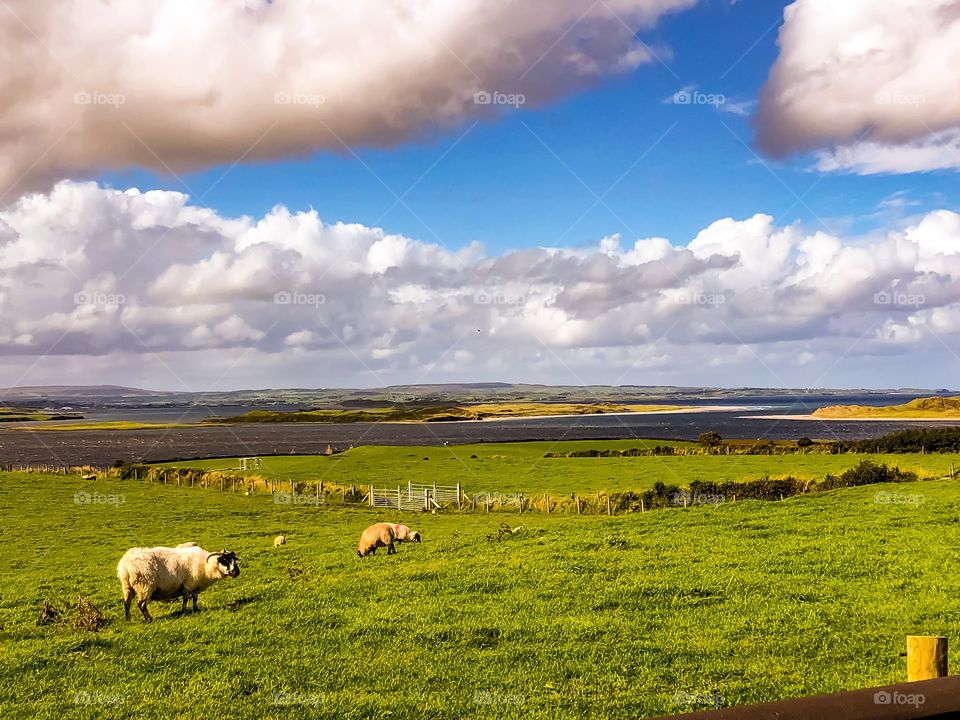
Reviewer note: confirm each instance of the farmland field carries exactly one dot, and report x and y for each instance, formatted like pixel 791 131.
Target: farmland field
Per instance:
pixel 522 467
pixel 618 617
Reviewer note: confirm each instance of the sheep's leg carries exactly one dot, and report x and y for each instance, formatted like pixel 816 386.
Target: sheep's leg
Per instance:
pixel 143 608
pixel 193 594
pixel 131 593
pixel 183 597
pixel 391 550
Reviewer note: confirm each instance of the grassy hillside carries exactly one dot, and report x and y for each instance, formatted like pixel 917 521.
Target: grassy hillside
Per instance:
pixel 521 467
pixel 921 408
pixel 591 616
pixel 13 414
pixel 439 413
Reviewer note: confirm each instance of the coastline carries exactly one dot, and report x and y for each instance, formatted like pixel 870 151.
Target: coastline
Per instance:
pixel 955 420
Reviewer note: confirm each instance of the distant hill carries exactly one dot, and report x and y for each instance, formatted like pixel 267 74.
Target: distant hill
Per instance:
pixel 921 409
pixel 73 391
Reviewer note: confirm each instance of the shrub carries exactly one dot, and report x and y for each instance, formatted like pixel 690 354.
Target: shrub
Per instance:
pixel 710 439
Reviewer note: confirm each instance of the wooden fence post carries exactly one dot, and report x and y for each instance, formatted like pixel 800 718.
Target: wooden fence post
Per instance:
pixel 609 510
pixel 547 498
pixel 926 657
pixel 458 496
pixel 577 498
pixel 641 505
pixel 399 498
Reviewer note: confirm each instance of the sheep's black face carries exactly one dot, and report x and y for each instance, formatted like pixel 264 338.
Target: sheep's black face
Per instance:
pixel 416 537
pixel 229 564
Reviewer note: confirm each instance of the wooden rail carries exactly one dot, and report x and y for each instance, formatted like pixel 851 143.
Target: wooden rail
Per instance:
pixel 927 699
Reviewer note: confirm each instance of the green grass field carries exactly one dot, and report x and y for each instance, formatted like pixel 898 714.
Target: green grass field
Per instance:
pixel 575 616
pixel 521 467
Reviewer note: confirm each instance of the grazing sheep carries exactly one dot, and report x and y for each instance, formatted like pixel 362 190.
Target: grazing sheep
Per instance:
pixel 404 534
pixel 379 535
pixel 164 573
pixel 279 540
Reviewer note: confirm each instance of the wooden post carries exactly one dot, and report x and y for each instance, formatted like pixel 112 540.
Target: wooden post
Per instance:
pixel 458 496
pixel 926 657
pixel 426 499
pixel 221 483
pixel 371 494
pixel 577 498
pixel 641 505
pixel 609 510
pixel 684 499
pixel 234 482
pixel 486 502
pixel 521 503
pixel 547 498
pixel 399 498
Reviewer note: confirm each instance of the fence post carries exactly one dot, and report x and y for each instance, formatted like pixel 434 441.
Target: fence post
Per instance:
pixel 426 499
pixel 459 507
pixel 547 497
pixel 399 498
pixel 577 498
pixel 609 510
pixel 926 657
pixel 641 505
pixel 486 502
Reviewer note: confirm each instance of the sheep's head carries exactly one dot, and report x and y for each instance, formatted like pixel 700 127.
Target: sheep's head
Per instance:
pixel 229 563
pixel 415 536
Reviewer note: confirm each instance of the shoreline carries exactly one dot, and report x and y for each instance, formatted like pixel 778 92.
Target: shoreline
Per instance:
pixel 955 420
pixel 677 411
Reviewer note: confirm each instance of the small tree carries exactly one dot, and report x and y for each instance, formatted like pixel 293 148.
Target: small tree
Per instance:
pixel 710 439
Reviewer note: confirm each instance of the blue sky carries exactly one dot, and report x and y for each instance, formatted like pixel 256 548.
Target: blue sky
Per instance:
pixel 531 177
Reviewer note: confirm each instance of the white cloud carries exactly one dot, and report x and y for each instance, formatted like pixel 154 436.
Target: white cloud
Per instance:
pixel 147 283
pixel 185 84
pixel 871 81
pixel 940 151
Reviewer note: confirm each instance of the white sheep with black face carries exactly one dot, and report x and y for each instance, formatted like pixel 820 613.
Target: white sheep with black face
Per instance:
pixel 163 573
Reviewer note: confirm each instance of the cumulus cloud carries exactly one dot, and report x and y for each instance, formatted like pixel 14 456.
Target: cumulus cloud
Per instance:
pixel 147 280
pixel 860 70
pixel 178 85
